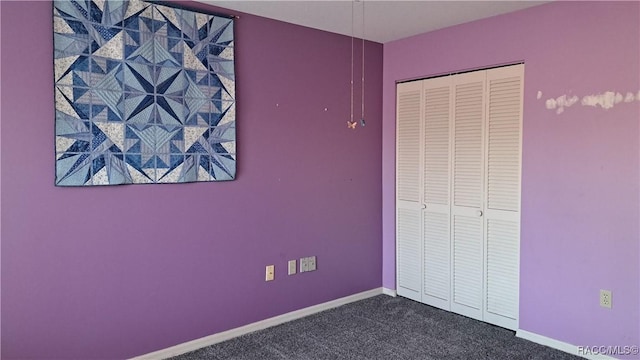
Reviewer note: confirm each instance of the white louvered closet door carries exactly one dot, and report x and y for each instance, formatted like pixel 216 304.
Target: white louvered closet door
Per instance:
pixel 467 194
pixel 435 217
pixel 458 192
pixel 409 108
pixel 502 214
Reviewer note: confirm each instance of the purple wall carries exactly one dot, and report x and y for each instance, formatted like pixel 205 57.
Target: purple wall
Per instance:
pixel 114 272
pixel 580 176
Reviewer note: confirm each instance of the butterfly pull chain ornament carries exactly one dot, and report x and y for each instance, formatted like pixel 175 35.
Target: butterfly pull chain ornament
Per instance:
pixel 351 124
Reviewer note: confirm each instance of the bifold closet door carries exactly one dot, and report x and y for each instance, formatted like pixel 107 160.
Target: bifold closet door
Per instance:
pixel 502 214
pixel 408 190
pixel 467 225
pixel 458 190
pixel 436 172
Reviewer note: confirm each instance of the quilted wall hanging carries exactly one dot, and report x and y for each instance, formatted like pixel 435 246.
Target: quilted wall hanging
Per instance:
pixel 144 93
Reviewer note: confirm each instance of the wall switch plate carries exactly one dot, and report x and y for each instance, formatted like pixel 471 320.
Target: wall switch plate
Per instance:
pixel 605 298
pixel 292 267
pixel 312 263
pixel 269 273
pixel 304 264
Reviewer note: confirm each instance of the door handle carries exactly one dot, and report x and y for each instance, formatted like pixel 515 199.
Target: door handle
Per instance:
pixel 424 206
pixel 479 213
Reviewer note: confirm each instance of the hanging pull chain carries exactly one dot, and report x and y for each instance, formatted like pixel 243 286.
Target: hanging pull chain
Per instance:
pixel 362 85
pixel 351 123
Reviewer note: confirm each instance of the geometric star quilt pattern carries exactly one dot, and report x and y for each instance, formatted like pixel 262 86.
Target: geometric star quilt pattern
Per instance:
pixel 144 93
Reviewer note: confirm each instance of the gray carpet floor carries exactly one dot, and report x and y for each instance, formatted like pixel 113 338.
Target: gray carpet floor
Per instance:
pixel 380 327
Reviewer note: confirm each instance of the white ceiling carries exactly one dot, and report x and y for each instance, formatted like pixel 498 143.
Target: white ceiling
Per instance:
pixel 385 20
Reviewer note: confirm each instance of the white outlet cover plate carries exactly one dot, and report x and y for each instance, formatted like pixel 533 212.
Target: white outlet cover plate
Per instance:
pixel 605 298
pixel 269 272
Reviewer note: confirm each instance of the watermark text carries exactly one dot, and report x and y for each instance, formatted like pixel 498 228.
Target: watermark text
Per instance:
pixel 608 350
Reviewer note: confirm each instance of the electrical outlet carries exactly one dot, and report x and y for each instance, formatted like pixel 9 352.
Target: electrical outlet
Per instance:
pixel 605 298
pixel 304 264
pixel 292 267
pixel 269 273
pixel 312 263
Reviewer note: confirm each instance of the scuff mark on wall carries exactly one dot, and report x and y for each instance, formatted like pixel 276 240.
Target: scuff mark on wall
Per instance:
pixel 630 98
pixel 561 102
pixel 605 100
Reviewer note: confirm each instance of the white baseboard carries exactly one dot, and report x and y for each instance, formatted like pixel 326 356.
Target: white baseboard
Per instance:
pixel 390 292
pixel 277 320
pixel 559 345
